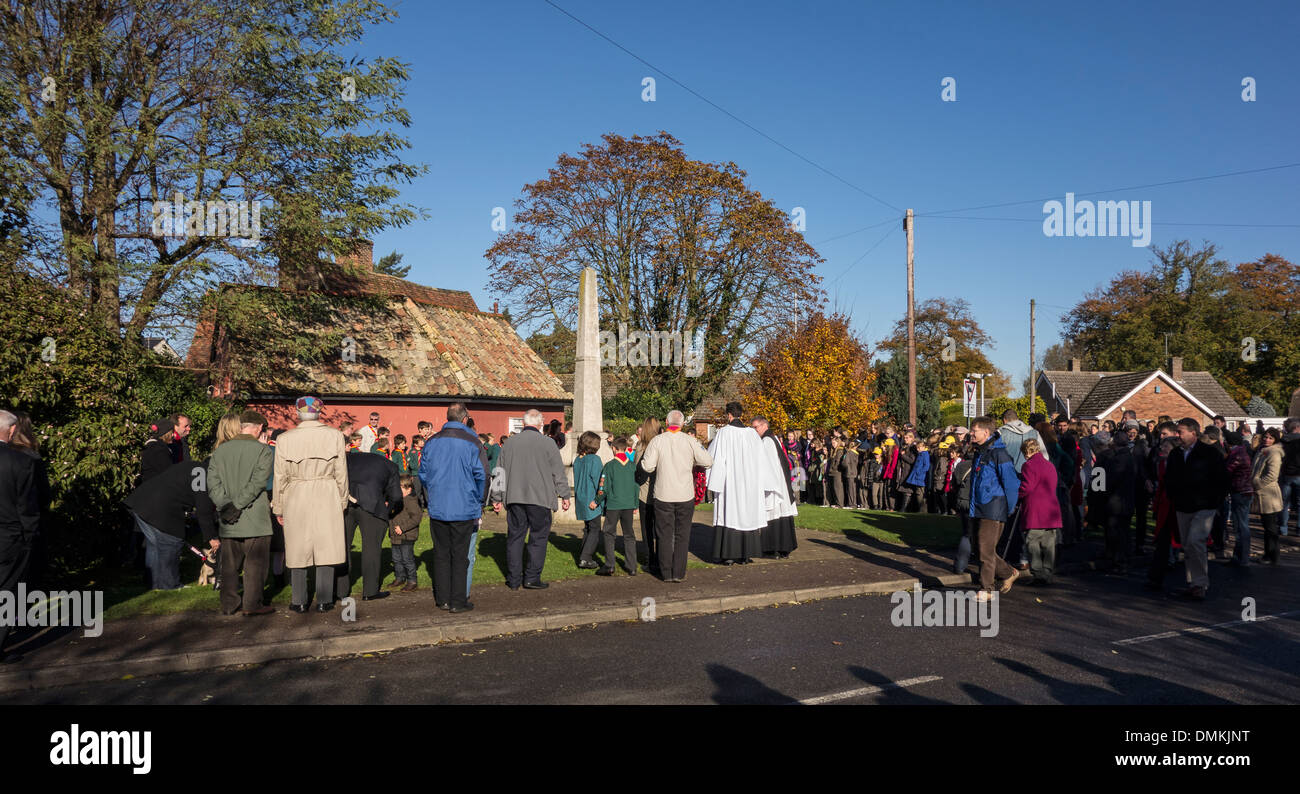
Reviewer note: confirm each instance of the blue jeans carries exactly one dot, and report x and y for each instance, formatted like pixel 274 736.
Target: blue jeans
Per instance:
pixel 1290 493
pixel 404 562
pixel 1241 525
pixel 473 555
pixel 162 556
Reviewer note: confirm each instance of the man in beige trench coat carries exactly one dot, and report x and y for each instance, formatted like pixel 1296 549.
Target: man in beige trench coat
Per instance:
pixel 310 493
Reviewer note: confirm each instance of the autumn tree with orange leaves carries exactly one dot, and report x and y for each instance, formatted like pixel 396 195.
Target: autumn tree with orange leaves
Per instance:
pixel 816 375
pixel 1241 324
pixel 678 246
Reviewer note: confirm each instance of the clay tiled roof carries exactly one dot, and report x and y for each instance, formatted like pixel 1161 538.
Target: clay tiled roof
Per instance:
pixel 1208 390
pixel 1108 391
pixel 1093 393
pixel 1073 386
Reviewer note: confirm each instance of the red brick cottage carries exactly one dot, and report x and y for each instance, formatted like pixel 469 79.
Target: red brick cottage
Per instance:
pixel 1097 396
pixel 428 348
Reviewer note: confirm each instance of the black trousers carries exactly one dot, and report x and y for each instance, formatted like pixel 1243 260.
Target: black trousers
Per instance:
pixel 1272 527
pixel 373 529
pixel 613 520
pixel 451 561
pixel 647 515
pixel 253 555
pixel 1142 506
pixel 590 539
pixel 673 526
pixel 535 522
pixel 15 554
pixel 1117 538
pixel 1163 543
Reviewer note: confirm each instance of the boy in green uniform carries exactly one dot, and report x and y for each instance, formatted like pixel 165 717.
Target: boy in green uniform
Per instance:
pixel 618 490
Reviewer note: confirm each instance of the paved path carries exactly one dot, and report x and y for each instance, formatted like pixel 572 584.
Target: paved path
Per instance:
pixel 1070 643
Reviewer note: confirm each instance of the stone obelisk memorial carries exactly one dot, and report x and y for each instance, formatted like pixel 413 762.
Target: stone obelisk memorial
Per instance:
pixel 587 410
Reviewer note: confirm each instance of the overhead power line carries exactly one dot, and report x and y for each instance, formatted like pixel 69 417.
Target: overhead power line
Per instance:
pixel 1114 190
pixel 1153 223
pixel 726 112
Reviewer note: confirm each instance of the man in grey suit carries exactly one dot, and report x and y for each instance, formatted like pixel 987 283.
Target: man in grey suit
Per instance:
pixel 534 479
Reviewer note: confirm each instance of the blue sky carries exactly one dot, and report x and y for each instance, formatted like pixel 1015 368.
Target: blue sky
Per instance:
pixel 1106 96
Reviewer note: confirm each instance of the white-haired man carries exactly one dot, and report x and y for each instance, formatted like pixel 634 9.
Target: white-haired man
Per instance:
pixel 672 457
pixel 534 479
pixel 309 497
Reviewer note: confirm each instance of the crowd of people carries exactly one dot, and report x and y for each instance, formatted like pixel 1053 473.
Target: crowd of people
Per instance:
pixel 266 502
pixel 1069 475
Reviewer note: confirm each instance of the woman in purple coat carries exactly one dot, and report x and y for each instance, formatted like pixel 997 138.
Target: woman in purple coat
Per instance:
pixel 1041 510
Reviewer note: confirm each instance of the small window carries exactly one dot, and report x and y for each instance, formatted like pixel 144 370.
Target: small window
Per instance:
pixel 1157 388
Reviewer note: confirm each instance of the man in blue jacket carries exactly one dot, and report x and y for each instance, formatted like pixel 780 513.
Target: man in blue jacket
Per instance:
pixel 454 472
pixel 994 489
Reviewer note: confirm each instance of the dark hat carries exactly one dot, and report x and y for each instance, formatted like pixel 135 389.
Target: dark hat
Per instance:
pixel 252 418
pixel 161 428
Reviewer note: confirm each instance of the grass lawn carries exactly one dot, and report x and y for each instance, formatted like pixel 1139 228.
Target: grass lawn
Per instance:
pixel 125 596
pixel 911 529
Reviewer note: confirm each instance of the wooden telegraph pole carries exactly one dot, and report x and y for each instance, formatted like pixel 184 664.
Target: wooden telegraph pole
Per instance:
pixel 1031 356
pixel 911 327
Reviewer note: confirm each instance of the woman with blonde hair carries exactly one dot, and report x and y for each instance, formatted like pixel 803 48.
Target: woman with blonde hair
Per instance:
pixel 227 428
pixel 645 510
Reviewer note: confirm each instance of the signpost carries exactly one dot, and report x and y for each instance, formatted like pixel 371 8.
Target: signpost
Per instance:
pixel 968 399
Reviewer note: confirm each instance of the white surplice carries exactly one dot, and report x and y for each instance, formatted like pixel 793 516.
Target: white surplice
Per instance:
pixel 777 498
pixel 740 479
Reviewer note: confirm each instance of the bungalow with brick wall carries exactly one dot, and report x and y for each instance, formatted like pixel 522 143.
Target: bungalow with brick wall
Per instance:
pixel 1098 396
pixel 426 349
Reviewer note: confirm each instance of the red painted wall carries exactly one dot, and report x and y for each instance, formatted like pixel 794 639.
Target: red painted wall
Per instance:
pixel 402 419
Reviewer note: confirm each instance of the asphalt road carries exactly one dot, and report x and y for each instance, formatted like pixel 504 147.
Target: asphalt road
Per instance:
pixel 1087 640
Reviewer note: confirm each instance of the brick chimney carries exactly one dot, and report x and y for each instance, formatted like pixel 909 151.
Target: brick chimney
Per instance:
pixel 361 257
pixel 1176 368
pixel 1076 365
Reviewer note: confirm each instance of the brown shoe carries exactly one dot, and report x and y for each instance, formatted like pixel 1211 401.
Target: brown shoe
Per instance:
pixel 398 584
pixel 410 586
pixel 265 609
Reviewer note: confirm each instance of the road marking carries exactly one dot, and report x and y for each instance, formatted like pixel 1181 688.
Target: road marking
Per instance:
pixel 1202 629
pixel 869 690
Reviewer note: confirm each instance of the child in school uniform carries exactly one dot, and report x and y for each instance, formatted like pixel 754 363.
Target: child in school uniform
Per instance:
pixel 403 531
pixel 399 455
pixel 938 474
pixel 871 482
pixel 383 436
pixel 586 503
pixel 916 478
pixel 618 492
pixel 849 471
